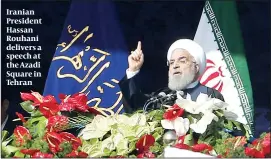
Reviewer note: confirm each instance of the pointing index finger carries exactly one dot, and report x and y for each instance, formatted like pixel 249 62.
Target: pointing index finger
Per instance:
pixel 139 45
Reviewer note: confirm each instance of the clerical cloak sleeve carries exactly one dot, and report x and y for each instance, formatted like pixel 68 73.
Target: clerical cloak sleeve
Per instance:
pixel 133 98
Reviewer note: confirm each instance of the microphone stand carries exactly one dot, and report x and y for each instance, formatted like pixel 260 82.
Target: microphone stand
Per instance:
pixel 162 100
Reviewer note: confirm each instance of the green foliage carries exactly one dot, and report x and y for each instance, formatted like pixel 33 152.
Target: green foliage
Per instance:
pixel 27 106
pixel 40 144
pixel 118 135
pixel 123 135
pixel 67 148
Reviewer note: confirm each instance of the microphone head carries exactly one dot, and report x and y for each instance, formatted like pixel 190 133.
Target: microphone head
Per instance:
pixel 162 94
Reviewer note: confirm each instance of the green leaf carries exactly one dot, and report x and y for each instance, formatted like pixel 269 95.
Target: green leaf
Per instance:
pixel 93 141
pixel 137 119
pixel 67 148
pixel 36 113
pixel 209 140
pixel 7 150
pixel 157 136
pixel 125 130
pixel 132 146
pixel 93 150
pixel 41 127
pixel 4 135
pixel 36 126
pixel 113 153
pixel 141 130
pixel 188 140
pixel 138 111
pixel 109 143
pixel 155 115
pixel 132 156
pixel 229 125
pixel 190 118
pixel 159 130
pixel 40 144
pixel 219 113
pixel 7 141
pixel 247 131
pixel 106 152
pixel 237 124
pixel 27 106
pixel 19 154
pixel 132 138
pixel 156 148
pixel 153 125
pixel 122 147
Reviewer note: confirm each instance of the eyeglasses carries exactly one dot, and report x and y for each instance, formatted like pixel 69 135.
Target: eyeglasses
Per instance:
pixel 180 61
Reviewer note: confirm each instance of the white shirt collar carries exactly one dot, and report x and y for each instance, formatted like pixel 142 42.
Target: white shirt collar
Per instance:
pixel 191 85
pixel 4 123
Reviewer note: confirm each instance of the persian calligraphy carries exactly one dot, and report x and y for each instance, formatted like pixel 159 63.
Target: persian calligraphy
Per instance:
pixel 93 62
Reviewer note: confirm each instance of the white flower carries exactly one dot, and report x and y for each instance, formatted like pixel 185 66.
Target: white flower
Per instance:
pixel 201 126
pixel 180 125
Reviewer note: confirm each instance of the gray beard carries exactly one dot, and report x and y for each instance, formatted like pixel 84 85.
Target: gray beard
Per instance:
pixel 180 82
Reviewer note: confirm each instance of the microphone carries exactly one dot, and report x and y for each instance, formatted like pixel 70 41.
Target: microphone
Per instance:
pixel 162 97
pixel 168 97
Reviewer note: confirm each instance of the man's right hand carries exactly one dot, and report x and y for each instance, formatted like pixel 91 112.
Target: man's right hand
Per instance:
pixel 136 59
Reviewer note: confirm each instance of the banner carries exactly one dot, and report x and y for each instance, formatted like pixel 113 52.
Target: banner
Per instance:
pixel 91 56
pixel 226 70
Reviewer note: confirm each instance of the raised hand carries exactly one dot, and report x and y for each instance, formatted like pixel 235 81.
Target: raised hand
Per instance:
pixel 136 59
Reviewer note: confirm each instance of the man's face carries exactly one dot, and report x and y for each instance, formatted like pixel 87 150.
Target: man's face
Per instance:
pixel 183 70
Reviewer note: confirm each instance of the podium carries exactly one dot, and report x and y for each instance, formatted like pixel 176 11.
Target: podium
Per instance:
pixel 175 152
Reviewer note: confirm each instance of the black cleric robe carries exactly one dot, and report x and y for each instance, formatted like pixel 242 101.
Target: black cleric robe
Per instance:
pixel 134 99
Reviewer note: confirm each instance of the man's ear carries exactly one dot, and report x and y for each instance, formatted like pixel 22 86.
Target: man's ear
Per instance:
pixel 197 68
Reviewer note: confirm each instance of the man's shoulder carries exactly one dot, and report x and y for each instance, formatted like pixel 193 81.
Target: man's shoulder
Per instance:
pixel 213 92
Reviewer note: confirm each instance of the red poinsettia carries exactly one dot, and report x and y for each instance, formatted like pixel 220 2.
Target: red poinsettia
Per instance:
pixel 65 105
pixel 75 154
pixel 37 98
pixel 252 152
pixel 31 97
pixel 173 112
pixel 260 147
pixel 76 102
pixel 75 141
pixel 49 109
pixel 21 117
pixel 266 146
pixel 54 140
pixel 48 105
pixel 57 123
pixel 201 147
pixel 143 146
pixel 42 155
pixel 144 143
pixel 147 154
pixel 29 151
pixel 21 134
pixel 182 146
pixel 196 148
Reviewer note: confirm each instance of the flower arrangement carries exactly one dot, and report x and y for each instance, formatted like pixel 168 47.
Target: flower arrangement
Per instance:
pixel 43 134
pixel 202 128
